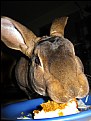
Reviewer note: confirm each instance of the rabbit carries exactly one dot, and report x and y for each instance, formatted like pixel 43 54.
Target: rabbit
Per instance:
pixel 50 66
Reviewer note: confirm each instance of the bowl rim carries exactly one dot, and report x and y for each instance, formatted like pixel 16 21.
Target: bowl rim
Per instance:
pixel 71 117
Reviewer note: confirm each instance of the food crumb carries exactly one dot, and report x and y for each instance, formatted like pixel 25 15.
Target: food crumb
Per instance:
pixel 22 113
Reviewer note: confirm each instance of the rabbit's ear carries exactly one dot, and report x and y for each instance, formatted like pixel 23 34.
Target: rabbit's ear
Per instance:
pixel 17 36
pixel 58 26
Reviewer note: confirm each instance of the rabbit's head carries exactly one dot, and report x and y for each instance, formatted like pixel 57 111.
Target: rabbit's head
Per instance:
pixel 55 71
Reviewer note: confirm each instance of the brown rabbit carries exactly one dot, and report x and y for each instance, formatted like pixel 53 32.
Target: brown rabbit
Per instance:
pixel 52 68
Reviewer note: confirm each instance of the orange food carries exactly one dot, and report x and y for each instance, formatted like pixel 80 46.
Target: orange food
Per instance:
pixel 52 109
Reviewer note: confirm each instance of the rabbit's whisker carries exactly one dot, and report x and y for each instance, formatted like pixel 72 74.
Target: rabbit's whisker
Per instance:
pixel 88 75
pixel 77 44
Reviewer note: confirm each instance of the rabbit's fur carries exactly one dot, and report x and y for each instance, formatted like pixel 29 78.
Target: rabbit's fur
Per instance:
pixel 52 68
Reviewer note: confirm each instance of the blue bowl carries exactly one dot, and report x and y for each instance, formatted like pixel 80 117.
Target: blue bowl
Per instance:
pixel 12 111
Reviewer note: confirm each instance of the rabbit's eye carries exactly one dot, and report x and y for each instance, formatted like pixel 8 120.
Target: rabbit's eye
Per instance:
pixel 37 60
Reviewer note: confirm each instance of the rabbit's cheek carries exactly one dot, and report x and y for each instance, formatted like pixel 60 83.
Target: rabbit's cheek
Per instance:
pixel 38 74
pixel 38 81
pixel 84 86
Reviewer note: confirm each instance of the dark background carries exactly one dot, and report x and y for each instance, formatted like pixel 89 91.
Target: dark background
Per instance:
pixel 38 16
